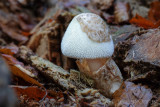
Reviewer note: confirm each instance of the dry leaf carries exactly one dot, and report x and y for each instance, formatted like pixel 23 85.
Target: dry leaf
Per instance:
pixel 121 12
pixel 102 4
pixel 142 22
pixel 131 95
pixel 26 33
pixel 154 13
pixel 9 50
pixel 13 33
pixel 31 93
pixel 16 69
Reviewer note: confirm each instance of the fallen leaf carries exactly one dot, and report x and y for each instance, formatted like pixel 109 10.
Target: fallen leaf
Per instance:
pixel 131 95
pixel 26 33
pixel 17 69
pixel 12 33
pixel 142 22
pixel 49 20
pixel 153 20
pixel 31 93
pixel 121 12
pixel 154 13
pixel 9 50
pixel 12 60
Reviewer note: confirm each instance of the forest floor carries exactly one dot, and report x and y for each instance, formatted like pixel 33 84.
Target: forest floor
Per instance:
pixel 34 72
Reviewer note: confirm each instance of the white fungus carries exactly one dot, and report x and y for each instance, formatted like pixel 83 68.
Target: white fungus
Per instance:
pixel 87 37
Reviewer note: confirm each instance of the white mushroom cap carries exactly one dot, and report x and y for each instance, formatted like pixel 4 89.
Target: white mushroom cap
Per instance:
pixel 87 37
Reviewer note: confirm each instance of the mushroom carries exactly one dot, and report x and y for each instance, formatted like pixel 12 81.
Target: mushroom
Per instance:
pixel 88 40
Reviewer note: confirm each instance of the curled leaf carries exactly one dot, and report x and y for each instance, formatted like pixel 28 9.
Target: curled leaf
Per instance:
pixel 142 22
pixel 17 69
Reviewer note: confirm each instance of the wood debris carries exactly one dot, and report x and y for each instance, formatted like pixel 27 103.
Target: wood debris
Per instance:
pixel 56 73
pixel 30 37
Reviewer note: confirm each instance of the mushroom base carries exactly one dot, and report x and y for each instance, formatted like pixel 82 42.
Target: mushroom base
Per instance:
pixel 105 73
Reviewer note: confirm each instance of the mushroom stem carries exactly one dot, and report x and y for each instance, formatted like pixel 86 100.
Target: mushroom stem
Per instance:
pixel 105 73
pixel 95 64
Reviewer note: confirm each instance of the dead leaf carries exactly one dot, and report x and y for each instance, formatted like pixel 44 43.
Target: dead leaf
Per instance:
pixel 133 95
pixel 31 93
pixel 12 60
pixel 13 34
pixel 16 69
pixel 9 50
pixel 142 22
pixel 121 12
pixel 26 33
pixel 154 13
pixel 102 4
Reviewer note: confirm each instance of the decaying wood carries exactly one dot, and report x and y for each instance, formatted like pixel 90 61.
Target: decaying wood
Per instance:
pixel 48 68
pixel 93 97
pixel 107 78
pixel 60 76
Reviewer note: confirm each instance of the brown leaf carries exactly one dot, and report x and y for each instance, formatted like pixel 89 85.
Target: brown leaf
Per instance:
pixel 31 93
pixel 142 22
pixel 102 4
pixel 154 13
pixel 121 12
pixel 12 60
pixel 16 69
pixel 25 21
pixel 13 33
pixel 133 95
pixel 9 50
pixel 26 33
